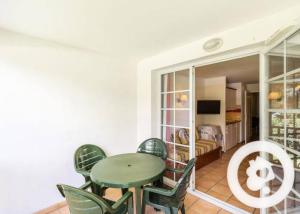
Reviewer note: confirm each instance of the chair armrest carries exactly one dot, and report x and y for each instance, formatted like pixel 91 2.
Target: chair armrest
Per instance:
pixel 158 190
pixel 175 170
pixel 121 201
pixel 86 185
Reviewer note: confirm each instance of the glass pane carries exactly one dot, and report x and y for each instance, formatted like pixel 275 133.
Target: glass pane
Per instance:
pixel 276 183
pixel 167 82
pixel 178 175
pixel 167 134
pixel 178 139
pixel 182 80
pixel 182 100
pixel 182 154
pixel 168 173
pixel 293 52
pixel 167 100
pixel 293 91
pixel 279 140
pixel 170 148
pixel 295 158
pixel 294 145
pixel 276 95
pixel 182 118
pixel 276 124
pixel 293 125
pixel 167 117
pixel 279 207
pixel 292 201
pixel 276 61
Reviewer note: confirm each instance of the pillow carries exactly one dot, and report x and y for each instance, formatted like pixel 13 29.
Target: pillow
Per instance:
pixel 184 136
pixel 177 139
pixel 197 134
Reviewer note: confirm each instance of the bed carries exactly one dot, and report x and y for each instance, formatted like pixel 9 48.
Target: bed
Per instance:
pixel 207 149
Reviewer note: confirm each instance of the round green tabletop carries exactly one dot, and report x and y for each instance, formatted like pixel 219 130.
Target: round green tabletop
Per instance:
pixel 128 170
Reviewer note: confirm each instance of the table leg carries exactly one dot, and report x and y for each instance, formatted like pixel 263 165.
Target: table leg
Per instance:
pixel 138 200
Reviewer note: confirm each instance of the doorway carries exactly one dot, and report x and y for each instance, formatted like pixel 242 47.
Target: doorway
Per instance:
pixel 251 116
pixel 221 122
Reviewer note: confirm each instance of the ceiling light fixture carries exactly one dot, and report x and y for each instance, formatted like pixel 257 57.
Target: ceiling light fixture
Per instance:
pixel 213 44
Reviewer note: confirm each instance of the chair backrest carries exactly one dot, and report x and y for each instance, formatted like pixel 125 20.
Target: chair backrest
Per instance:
pixel 86 156
pixel 155 147
pixel 184 181
pixel 82 202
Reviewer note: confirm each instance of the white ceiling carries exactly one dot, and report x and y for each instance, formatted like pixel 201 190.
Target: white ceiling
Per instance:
pixel 135 28
pixel 244 70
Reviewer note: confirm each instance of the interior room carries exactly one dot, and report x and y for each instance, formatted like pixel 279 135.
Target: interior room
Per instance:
pixel 138 107
pixel 225 111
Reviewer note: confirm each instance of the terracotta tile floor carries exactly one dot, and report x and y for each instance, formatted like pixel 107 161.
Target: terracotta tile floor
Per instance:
pixel 212 179
pixel 193 205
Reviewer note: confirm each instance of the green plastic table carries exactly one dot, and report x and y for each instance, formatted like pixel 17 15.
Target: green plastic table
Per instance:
pixel 128 170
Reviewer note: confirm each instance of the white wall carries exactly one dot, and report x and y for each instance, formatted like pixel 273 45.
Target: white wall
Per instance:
pixel 53 99
pixel 252 88
pixel 240 38
pixel 212 89
pixel 155 104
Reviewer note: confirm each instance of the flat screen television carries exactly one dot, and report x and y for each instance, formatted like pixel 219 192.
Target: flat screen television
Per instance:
pixel 208 106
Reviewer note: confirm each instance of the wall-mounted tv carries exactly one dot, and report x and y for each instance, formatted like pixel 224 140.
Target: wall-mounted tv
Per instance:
pixel 208 106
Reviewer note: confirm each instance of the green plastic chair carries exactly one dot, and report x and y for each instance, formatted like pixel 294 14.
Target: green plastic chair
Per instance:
pixel 83 202
pixel 154 146
pixel 85 157
pixel 169 200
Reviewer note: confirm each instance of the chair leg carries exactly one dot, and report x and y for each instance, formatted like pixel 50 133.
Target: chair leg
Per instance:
pixel 96 189
pixel 182 209
pixel 87 178
pixel 161 180
pixel 143 207
pixel 168 210
pixel 174 210
pixel 130 206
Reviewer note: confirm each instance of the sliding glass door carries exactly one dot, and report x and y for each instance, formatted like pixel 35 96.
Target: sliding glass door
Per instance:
pixel 282 114
pixel 176 117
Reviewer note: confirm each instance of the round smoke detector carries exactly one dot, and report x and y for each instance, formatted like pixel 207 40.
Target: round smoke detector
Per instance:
pixel 213 44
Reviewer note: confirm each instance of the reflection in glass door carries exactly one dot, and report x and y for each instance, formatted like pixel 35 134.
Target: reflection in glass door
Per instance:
pixel 283 114
pixel 176 118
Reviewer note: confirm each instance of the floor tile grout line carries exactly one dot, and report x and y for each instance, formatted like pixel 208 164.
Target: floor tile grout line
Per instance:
pixel 192 204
